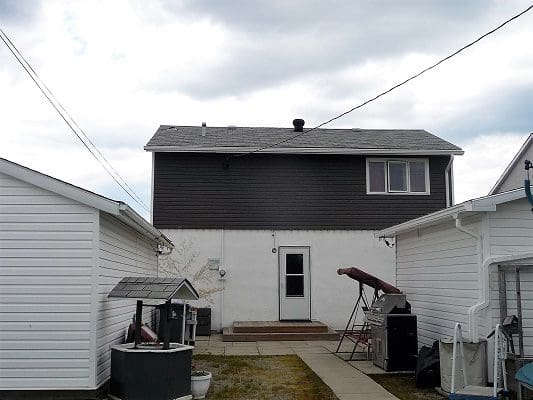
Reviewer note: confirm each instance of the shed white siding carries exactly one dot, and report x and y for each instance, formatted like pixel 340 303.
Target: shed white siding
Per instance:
pixel 46 260
pixel 437 269
pixel 122 252
pixel 511 232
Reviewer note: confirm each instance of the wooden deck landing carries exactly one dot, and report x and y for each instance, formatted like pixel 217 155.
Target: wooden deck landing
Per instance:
pixel 251 331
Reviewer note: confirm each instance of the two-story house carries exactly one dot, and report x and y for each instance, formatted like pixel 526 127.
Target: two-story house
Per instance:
pixel 280 221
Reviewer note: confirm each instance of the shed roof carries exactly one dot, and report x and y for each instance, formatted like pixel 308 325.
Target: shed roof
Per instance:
pixel 116 208
pixel 320 141
pixel 154 289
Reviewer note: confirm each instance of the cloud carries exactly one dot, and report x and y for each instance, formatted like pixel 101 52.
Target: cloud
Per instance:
pixel 122 68
pixel 276 42
pixel 485 159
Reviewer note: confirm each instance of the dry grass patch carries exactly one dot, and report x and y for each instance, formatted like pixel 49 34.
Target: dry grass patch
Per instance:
pixel 403 387
pixel 262 378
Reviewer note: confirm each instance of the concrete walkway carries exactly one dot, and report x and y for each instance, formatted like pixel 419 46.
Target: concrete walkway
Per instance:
pixel 347 382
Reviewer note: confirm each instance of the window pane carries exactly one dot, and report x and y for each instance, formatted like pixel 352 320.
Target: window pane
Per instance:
pixel 295 263
pixel 376 176
pixel 397 176
pixel 295 285
pixel 417 178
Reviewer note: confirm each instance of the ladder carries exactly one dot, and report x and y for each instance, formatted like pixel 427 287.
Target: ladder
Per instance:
pixel 471 392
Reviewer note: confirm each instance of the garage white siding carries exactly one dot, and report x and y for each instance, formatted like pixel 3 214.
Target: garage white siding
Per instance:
pixel 122 252
pixel 511 232
pixel 46 243
pixel 437 269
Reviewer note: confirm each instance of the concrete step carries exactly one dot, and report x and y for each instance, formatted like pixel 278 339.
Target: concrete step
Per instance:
pixel 229 335
pixel 279 327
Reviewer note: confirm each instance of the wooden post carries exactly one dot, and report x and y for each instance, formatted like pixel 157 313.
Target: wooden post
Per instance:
pixel 502 287
pixel 138 322
pixel 519 310
pixel 166 332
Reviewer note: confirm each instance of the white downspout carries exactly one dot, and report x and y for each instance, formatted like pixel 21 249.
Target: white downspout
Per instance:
pixel 483 279
pixel 222 280
pixel 485 299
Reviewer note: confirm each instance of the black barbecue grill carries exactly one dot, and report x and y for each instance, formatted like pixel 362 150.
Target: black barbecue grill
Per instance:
pixel 146 370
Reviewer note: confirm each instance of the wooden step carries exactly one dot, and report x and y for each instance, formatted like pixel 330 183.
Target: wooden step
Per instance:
pixel 229 335
pixel 279 327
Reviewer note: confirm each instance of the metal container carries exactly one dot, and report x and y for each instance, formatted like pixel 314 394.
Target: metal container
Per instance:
pixel 149 372
pixel 394 343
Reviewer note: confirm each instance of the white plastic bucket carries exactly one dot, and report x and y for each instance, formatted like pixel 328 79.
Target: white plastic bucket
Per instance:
pixel 475 361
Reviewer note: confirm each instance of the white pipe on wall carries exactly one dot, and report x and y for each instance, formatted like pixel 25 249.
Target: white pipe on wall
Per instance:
pixel 222 279
pixel 484 278
pixel 472 325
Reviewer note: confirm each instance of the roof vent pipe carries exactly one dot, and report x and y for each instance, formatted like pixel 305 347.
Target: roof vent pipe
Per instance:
pixel 298 125
pixel 204 125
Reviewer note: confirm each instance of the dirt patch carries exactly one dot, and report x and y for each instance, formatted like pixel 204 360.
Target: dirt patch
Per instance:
pixel 403 387
pixel 262 378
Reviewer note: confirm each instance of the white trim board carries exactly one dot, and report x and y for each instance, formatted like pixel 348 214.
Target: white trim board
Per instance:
pixel 299 150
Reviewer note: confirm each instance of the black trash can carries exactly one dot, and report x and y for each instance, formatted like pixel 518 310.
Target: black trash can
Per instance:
pixel 203 324
pixel 176 322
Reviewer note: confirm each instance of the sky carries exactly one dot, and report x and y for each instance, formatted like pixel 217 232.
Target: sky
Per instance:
pixel 122 68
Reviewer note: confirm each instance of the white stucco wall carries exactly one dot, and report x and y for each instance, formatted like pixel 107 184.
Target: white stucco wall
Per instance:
pixel 251 285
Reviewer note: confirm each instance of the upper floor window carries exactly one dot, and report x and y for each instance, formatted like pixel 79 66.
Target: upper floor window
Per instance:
pixel 397 176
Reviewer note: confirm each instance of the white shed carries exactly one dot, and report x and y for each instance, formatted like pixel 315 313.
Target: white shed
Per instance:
pixel 447 264
pixel 62 249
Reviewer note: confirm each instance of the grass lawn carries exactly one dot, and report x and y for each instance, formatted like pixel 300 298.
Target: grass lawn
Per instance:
pixel 262 378
pixel 403 387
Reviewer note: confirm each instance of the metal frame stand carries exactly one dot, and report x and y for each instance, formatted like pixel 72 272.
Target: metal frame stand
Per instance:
pixel 361 335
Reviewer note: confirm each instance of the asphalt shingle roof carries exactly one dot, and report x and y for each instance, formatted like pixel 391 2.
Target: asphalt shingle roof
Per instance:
pixel 154 288
pixel 184 137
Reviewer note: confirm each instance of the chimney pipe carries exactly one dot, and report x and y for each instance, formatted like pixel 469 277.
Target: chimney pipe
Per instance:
pixel 204 125
pixel 298 124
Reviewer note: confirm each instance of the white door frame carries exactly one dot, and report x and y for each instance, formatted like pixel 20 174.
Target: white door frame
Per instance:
pixel 301 304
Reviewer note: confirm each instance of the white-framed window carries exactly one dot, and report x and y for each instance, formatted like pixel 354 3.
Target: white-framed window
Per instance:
pixel 397 176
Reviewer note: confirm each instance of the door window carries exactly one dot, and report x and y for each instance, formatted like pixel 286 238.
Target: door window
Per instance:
pixel 294 275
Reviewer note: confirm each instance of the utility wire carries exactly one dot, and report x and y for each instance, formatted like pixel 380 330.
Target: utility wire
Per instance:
pixel 442 60
pixel 71 122
pixel 87 138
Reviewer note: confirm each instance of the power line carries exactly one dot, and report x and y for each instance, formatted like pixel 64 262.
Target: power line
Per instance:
pixel 70 121
pixel 364 103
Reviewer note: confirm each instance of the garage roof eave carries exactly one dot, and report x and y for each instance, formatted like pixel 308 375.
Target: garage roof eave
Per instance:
pixel 481 204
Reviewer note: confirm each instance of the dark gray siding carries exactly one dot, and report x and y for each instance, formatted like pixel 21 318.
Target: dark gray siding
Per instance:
pixel 267 191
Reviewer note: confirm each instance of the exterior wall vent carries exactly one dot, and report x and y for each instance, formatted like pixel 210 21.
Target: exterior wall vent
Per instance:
pixel 298 124
pixel 204 128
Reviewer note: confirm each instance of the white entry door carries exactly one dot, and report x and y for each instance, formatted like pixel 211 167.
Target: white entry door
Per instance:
pixel 294 284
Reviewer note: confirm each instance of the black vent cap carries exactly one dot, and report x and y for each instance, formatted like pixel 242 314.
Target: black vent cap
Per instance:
pixel 298 124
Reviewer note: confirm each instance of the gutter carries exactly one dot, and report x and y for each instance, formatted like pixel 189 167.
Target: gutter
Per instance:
pixel 299 150
pixel 130 217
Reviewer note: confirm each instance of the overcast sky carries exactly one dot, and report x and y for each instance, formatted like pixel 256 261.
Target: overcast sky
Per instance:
pixel 122 68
